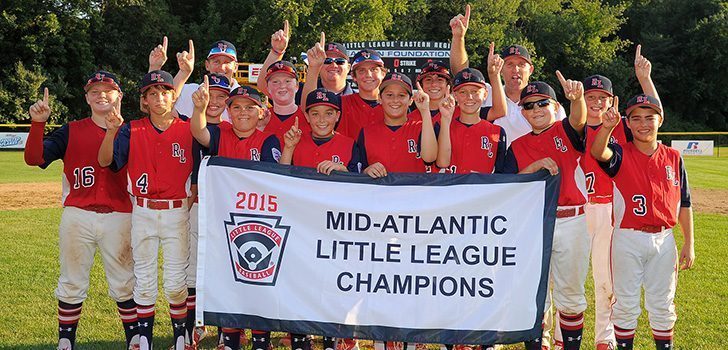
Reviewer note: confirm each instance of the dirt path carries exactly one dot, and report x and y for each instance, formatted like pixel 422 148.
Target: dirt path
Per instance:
pixel 48 195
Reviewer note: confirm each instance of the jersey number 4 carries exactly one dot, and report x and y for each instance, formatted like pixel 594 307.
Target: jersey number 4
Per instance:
pixel 142 183
pixel 83 177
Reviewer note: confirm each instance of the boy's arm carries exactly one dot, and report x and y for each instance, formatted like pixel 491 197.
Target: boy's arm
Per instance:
pixel 278 46
pixel 495 65
pixel 316 56
pixel 290 140
pixel 458 55
pixel 106 151
pixel 40 111
pixel 574 91
pixel 444 144
pixel 643 71
pixel 599 149
pixel 198 121
pixel 428 146
pixel 186 62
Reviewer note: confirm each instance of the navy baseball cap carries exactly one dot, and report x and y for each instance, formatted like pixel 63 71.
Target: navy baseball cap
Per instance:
pixel 598 83
pixel 643 101
pixel 516 51
pixel 103 77
pixel 157 77
pixel 537 88
pixel 336 49
pixel 367 55
pixel 468 76
pixel 224 48
pixel 281 67
pixel 219 82
pixel 245 92
pixel 396 78
pixel 323 97
pixel 438 68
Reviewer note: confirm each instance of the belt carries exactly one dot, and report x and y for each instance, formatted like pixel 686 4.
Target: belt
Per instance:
pixel 600 200
pixel 651 229
pixel 101 209
pixel 159 204
pixel 567 213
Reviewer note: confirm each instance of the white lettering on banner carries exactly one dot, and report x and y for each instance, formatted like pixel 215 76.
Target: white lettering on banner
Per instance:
pixel 14 140
pixel 434 257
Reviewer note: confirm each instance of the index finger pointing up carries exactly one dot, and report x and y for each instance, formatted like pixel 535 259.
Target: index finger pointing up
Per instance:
pixel 286 29
pixel 323 40
pixel 164 43
pixel 295 123
pixel 45 96
pixel 467 14
pixel 206 82
pixel 561 77
pixel 639 51
pixel 491 50
pixel 192 47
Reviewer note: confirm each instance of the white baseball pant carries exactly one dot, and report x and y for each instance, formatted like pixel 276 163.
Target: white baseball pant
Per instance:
pixel 191 270
pixel 599 225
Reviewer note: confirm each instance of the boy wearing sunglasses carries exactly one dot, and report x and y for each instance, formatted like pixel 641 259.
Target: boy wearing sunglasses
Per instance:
pixel 557 146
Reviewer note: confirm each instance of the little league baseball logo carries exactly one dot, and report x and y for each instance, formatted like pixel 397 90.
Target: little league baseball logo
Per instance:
pixel 256 244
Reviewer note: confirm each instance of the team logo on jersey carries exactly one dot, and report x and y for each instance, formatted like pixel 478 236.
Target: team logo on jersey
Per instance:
pixel 256 244
pixel 560 145
pixel 178 152
pixel 255 154
pixel 671 175
pixel 336 159
pixel 411 146
pixel 486 145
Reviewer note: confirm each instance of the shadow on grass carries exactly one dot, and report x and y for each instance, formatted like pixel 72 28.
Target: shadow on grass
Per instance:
pixel 159 343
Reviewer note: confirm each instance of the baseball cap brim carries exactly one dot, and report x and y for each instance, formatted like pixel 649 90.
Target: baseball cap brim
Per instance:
pixel 652 106
pixel 114 85
pixel 167 85
pixel 334 106
pixel 521 102
pixel 231 98
pixel 213 54
pixel 440 74
pixel 219 88
pixel 597 90
pixel 288 73
pixel 517 56
pixel 386 83
pixel 470 83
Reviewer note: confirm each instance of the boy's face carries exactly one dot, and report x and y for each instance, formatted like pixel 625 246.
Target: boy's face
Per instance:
pixel 158 100
pixel 217 103
pixel 244 114
pixel 102 97
pixel 434 86
pixel 470 98
pixel 597 103
pixel 542 112
pixel 282 88
pixel 644 123
pixel 322 120
pixel 395 100
pixel 221 64
pixel 334 73
pixel 516 73
pixel 368 76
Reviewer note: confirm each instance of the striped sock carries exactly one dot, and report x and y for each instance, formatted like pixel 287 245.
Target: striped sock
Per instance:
pixel 178 314
pixel 663 339
pixel 190 323
pixel 624 337
pixel 145 315
pixel 300 342
pixel 572 327
pixel 329 343
pixel 231 337
pixel 68 316
pixel 128 314
pixel 261 340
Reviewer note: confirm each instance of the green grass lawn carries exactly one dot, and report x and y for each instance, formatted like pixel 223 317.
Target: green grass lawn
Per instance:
pixel 29 270
pixel 13 169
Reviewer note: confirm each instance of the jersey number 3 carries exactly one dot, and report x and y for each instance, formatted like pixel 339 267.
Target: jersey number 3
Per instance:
pixel 142 183
pixel 640 201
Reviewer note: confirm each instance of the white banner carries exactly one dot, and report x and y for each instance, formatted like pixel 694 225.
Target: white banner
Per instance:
pixel 13 140
pixel 416 257
pixel 693 147
pixel 254 72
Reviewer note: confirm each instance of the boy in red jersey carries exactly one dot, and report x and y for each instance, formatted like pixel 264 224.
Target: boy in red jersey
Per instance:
pixel 282 84
pixel 469 143
pixel 556 146
pixel 241 140
pixel 651 196
pixel 321 148
pixel 156 151
pixel 434 77
pixel 97 210
pixel 397 144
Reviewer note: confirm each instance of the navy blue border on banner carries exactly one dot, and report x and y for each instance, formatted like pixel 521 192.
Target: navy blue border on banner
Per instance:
pixel 440 336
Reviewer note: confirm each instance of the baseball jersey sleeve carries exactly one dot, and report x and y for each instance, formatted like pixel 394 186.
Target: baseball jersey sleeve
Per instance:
pixel 611 167
pixel 510 163
pixel 355 164
pixel 121 148
pixel 685 200
pixel 54 147
pixel 271 150
pixel 214 139
pixel 362 150
pixel 500 156
pixel 576 141
pixel 197 153
pixel 484 112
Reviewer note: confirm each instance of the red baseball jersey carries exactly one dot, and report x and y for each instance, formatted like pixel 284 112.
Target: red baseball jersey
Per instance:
pixel 160 163
pixel 598 184
pixel 259 146
pixel 356 114
pixel 338 150
pixel 561 143
pixel 479 148
pixel 279 128
pixel 415 115
pixel 397 148
pixel 649 190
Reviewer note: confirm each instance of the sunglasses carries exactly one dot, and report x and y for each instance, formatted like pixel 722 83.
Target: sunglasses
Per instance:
pixel 371 57
pixel 541 103
pixel 339 61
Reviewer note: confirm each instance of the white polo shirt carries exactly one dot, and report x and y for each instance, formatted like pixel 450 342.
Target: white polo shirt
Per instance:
pixel 184 104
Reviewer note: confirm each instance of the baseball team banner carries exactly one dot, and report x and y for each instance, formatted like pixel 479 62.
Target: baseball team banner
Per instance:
pixel 435 258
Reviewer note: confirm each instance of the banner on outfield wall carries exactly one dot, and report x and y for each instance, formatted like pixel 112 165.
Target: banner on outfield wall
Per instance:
pixel 13 140
pixel 254 72
pixel 404 57
pixel 693 147
pixel 433 258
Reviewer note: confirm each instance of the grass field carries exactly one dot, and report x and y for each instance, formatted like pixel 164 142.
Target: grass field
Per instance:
pixel 29 270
